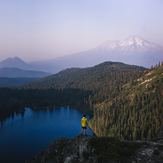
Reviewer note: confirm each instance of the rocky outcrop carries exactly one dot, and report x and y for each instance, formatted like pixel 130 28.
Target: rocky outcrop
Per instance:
pixel 150 152
pixel 84 149
pixel 66 151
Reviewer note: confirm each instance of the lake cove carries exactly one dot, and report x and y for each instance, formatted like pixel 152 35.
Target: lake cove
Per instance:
pixel 24 135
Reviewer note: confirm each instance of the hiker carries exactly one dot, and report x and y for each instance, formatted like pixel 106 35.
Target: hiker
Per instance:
pixel 84 124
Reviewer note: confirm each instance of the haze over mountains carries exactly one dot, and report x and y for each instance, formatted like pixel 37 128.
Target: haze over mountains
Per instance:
pixel 15 62
pixel 18 73
pixel 134 50
pixel 17 68
pixel 14 71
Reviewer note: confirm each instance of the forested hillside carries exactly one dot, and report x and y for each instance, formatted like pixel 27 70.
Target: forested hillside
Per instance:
pixel 80 88
pixel 104 80
pixel 126 99
pixel 137 111
pixel 15 100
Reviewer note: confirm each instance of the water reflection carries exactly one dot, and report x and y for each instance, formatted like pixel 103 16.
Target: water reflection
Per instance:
pixel 25 134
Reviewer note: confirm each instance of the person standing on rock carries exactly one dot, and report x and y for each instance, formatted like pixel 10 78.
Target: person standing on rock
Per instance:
pixel 84 124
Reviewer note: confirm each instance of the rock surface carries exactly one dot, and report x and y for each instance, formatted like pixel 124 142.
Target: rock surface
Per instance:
pixel 84 149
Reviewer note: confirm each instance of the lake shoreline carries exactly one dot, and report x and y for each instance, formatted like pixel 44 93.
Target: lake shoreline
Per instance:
pixel 24 135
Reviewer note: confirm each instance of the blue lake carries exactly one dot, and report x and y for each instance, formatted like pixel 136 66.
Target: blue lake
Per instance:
pixel 24 135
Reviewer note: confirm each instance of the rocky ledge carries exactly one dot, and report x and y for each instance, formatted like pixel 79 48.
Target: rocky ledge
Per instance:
pixel 84 149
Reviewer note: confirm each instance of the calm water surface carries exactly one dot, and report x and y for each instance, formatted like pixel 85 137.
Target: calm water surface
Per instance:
pixel 23 136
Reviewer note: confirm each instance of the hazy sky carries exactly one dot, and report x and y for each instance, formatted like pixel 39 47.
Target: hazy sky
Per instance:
pixel 42 29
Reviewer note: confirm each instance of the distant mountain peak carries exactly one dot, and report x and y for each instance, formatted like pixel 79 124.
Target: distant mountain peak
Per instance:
pixel 138 42
pixel 13 59
pixel 131 43
pixel 14 62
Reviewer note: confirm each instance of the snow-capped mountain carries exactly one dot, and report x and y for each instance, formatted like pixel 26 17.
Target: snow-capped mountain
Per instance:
pixel 131 43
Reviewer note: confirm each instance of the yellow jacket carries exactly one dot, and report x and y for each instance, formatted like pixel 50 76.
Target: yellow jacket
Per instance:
pixel 84 122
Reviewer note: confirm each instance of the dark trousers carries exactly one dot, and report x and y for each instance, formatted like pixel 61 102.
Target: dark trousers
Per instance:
pixel 83 132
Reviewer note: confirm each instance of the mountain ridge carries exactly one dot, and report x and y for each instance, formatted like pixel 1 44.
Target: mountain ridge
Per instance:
pixel 72 77
pixel 14 62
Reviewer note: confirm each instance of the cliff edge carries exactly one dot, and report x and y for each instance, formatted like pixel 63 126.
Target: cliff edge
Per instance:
pixel 85 149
